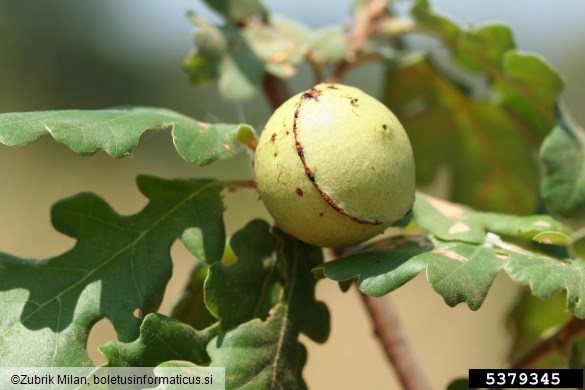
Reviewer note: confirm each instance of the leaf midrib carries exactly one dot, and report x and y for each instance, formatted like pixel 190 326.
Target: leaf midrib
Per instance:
pixel 282 332
pixel 113 257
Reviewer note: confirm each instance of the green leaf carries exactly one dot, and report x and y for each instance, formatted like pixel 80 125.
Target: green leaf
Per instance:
pixel 241 71
pixel 524 84
pixel 204 143
pixel 229 57
pixel 547 277
pixel 478 48
pixel 161 339
pixel 236 11
pixel 328 45
pixel 297 260
pixel 191 308
pixel 460 384
pixel 462 256
pixel 239 56
pixel 202 69
pixel 386 267
pixel 577 244
pixel 453 222
pixel 484 142
pixel 324 46
pixel 246 289
pixel 529 87
pixel 563 156
pixel 345 285
pixel 292 29
pixel 118 264
pixel 577 357
pixel 459 272
pixel 531 318
pixel 442 27
pixel 281 54
pixel 117 131
pixel 172 368
pixel 267 355
pixel 552 238
pixel 464 273
pixel 261 355
pixel 491 163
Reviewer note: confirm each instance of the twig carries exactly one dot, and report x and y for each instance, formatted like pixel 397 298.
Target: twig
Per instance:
pixel 364 26
pixel 345 66
pixel 556 342
pixel 389 331
pixel 275 90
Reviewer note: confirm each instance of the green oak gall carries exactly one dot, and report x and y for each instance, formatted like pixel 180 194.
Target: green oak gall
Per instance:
pixel 334 166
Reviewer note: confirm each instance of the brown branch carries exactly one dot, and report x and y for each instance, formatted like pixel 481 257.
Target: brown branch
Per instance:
pixel 556 342
pixel 389 331
pixel 275 90
pixel 364 27
pixel 345 66
pixel 316 67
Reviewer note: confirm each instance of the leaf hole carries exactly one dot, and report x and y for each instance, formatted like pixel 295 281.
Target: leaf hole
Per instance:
pixel 100 333
pixel 138 313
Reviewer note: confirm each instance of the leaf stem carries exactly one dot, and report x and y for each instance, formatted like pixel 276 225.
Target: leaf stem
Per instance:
pixel 275 90
pixel 556 342
pixel 389 331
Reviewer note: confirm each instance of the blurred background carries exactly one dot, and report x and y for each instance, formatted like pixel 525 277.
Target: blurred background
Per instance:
pixel 95 54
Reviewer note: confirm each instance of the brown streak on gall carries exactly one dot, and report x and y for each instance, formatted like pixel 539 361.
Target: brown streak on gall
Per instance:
pixel 300 151
pixel 313 94
pixel 299 192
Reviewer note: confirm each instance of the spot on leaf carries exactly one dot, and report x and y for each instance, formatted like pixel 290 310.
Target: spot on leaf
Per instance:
pixel 541 224
pixel 458 227
pixel 450 254
pixel 449 210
